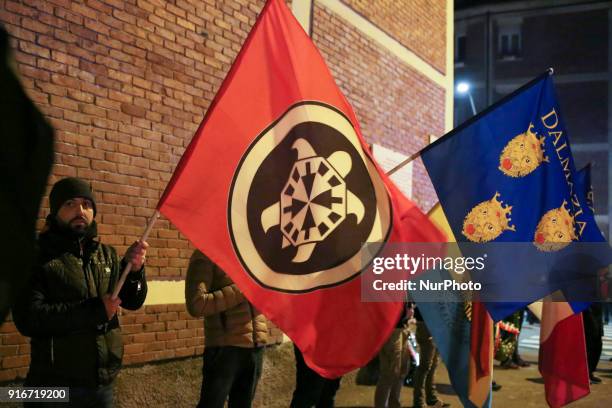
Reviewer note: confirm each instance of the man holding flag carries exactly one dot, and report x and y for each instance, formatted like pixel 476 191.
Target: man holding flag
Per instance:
pixel 67 308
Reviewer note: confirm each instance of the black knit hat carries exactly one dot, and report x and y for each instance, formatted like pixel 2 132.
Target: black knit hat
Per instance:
pixel 69 188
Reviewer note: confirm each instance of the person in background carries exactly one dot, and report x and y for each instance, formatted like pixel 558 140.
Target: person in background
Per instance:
pixel 235 334
pixel 424 388
pixel 311 389
pixel 394 357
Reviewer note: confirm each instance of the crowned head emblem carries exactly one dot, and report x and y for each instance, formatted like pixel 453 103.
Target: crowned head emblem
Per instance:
pixel 523 154
pixel 487 221
pixel 555 230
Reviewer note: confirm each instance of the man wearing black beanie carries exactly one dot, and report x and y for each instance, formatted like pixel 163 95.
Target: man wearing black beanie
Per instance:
pixel 67 308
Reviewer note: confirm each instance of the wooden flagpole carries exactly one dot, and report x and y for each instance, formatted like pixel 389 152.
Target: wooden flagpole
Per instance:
pixel 128 267
pixel 403 163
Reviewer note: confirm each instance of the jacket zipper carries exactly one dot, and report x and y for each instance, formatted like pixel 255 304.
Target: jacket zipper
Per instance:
pixel 52 353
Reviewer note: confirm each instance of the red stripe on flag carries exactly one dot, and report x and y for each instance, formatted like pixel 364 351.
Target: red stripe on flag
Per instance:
pixel 481 355
pixel 562 359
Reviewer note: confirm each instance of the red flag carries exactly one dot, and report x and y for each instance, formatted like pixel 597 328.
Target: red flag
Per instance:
pixel 278 188
pixel 480 372
pixel 562 357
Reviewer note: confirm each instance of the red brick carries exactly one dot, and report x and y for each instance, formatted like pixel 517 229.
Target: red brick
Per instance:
pixel 64 103
pixel 9 350
pixel 193 341
pixel 21 33
pixel 154 355
pixel 8 327
pixel 20 9
pixel 95 4
pixel 36 26
pixel 146 318
pixel 93 110
pixel 194 324
pixel 64 14
pixel 175 344
pixel 134 348
pixel 176 325
pixel 154 327
pixel 165 354
pixel 77 117
pixel 185 352
pixel 15 361
pixel 134 359
pixel 84 11
pixel 83 32
pixel 186 333
pixel 133 110
pixel 11 339
pixel 144 337
pixel 176 308
pixel 8 375
pixel 165 336
pixel 30 48
pixel 155 346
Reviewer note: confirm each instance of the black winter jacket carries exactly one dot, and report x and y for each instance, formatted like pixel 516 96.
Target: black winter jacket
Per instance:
pixel 73 343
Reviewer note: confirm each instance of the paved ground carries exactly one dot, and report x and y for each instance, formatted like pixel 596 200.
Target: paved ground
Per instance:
pixel 522 388
pixel 176 384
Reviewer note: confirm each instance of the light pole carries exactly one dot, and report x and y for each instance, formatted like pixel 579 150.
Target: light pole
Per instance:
pixel 464 88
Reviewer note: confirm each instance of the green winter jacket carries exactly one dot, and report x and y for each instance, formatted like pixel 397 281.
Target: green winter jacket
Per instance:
pixel 73 344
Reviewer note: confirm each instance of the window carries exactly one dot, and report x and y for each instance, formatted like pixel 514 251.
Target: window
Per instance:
pixel 509 43
pixel 460 48
pixel 460 43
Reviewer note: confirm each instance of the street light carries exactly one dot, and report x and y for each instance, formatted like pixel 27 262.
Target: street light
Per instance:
pixel 464 88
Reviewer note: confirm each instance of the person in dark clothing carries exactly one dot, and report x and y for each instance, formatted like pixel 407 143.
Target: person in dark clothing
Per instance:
pixel 26 156
pixel 394 363
pixel 424 392
pixel 311 389
pixel 593 333
pixel 67 308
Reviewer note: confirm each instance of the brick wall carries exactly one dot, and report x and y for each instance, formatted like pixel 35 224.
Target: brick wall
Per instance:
pixel 125 83
pixel 416 24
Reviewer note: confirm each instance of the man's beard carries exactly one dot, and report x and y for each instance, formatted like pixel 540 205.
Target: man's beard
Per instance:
pixel 76 230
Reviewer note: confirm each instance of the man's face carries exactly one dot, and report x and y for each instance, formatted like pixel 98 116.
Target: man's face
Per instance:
pixel 76 214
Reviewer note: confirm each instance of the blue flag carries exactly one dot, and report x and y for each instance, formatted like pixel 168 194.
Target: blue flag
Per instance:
pixel 450 326
pixel 508 176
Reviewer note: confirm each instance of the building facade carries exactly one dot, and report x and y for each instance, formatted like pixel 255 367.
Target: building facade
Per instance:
pixel 126 83
pixel 501 45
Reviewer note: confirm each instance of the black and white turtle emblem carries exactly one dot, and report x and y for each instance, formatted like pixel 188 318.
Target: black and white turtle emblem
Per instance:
pixel 304 200
pixel 314 201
